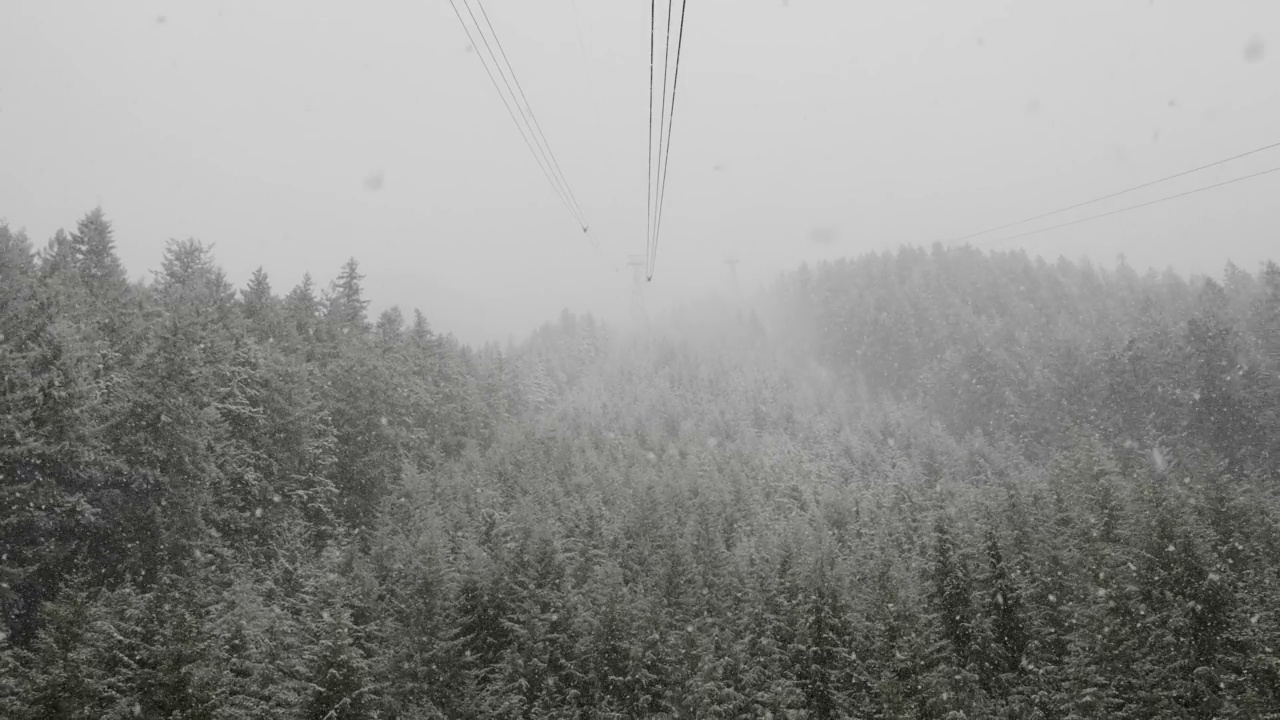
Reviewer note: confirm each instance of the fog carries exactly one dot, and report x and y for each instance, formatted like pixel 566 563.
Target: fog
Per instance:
pixel 947 387
pixel 293 135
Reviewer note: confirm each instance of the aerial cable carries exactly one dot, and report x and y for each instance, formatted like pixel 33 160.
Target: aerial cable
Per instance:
pixel 648 208
pixel 539 154
pixel 662 122
pixel 662 188
pixel 531 116
pixel 521 127
pixel 507 105
pixel 1112 195
pixel 1131 207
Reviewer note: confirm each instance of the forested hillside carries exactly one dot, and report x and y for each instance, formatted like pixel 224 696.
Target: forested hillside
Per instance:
pixel 928 484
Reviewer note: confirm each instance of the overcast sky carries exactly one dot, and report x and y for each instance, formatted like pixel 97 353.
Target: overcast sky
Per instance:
pixel 805 129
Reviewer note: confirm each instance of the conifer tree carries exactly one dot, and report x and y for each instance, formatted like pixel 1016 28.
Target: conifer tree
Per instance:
pixel 345 304
pixel 94 253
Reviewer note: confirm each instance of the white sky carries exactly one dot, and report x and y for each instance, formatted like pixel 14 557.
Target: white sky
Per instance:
pixel 254 125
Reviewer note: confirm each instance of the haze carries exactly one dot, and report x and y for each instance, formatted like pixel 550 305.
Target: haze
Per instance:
pixel 294 134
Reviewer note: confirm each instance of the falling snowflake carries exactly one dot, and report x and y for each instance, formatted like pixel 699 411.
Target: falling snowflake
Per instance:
pixel 1255 49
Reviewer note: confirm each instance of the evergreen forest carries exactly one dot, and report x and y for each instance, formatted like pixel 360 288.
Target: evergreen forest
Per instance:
pixel 929 483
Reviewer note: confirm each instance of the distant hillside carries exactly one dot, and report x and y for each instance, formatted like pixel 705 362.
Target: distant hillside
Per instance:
pixel 942 484
pixel 1004 344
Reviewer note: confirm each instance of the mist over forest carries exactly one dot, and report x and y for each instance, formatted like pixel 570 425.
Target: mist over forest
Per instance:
pixel 929 483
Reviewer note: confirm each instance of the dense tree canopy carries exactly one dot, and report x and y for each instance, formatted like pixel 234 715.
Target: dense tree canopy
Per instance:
pixel 933 483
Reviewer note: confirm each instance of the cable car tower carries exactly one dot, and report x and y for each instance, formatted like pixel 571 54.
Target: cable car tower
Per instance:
pixel 732 262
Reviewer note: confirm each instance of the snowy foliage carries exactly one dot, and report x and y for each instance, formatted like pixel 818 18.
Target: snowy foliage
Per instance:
pixel 935 484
